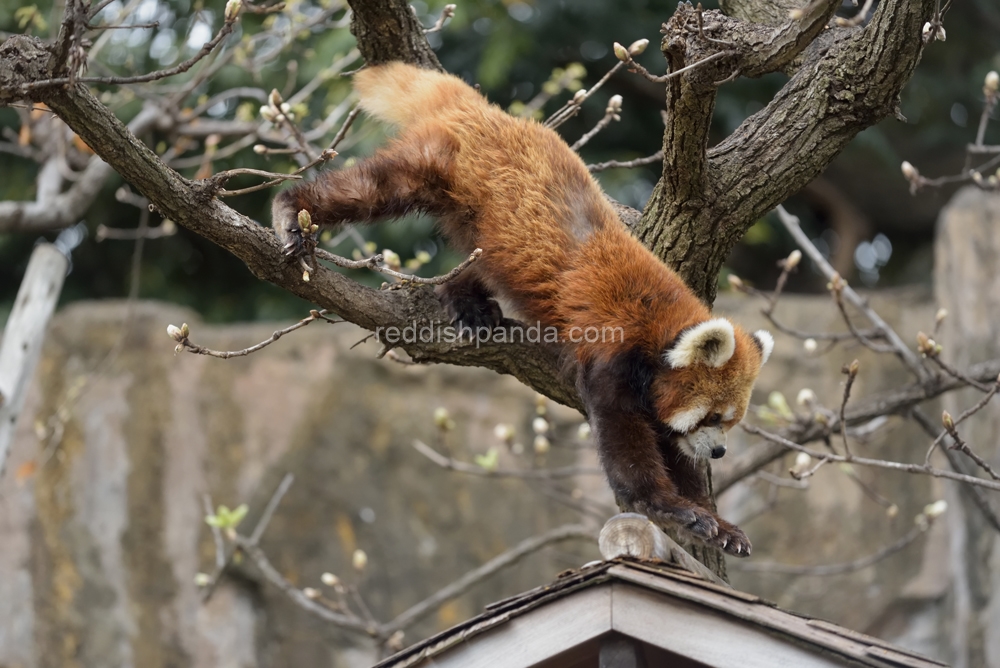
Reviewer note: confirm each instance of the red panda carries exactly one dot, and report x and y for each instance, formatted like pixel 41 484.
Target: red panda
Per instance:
pixel 661 395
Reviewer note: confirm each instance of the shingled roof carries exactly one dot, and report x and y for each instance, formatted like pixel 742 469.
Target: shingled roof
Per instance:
pixel 678 618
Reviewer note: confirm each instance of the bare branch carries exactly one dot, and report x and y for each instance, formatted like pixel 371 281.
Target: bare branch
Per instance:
pixel 207 48
pixel 876 463
pixel 791 224
pixel 184 343
pixel 477 470
pixel 836 569
pixel 628 164
pixel 501 561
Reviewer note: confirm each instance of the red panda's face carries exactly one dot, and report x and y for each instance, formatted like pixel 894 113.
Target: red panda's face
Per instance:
pixel 704 387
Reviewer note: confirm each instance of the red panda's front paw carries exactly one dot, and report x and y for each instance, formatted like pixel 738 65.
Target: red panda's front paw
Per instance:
pixel 732 540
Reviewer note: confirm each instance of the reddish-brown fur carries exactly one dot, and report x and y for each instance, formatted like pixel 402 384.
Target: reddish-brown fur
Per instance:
pixel 554 248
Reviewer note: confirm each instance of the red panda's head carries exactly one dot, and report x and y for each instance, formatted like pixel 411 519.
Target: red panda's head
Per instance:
pixel 704 387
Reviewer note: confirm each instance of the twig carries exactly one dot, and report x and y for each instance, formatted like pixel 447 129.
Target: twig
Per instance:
pixel 639 69
pixel 180 68
pixel 326 155
pixel 474 469
pixel 164 229
pixel 791 223
pixel 977 495
pixel 628 164
pixel 834 569
pixel 837 285
pixel 375 264
pixel 184 343
pixel 876 463
pixel 511 556
pixel 857 19
pixel 446 13
pixel 851 370
pixel 935 356
pixel 344 128
pixel 265 518
pixel 962 446
pixel 154 24
pixel 610 114
pixel 346 620
pixel 962 418
pixel 272 505
pixel 220 545
pixel 778 481
pixel 571 108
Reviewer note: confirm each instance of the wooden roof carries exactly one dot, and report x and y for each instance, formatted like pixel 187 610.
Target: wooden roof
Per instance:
pixel 657 604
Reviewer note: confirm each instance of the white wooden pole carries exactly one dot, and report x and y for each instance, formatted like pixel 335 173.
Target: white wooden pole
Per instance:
pixel 22 337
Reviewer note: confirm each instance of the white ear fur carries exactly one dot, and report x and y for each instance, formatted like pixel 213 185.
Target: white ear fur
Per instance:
pixel 766 342
pixel 712 343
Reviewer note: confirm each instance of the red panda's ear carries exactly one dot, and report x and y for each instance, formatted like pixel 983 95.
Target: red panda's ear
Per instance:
pixel 712 343
pixel 765 341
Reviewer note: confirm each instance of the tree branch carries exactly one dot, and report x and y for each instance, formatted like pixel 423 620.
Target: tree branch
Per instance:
pixel 846 80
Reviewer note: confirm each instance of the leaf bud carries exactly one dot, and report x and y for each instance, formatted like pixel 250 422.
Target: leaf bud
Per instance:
pixel 614 105
pixel 806 397
pixel 793 259
pixel 504 433
pixel 637 47
pixel 992 83
pixel 304 219
pixel 936 509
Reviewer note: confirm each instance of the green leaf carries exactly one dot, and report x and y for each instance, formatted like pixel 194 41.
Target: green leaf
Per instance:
pixel 489 461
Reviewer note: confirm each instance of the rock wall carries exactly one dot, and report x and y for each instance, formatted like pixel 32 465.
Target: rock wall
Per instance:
pixel 967 275
pixel 100 543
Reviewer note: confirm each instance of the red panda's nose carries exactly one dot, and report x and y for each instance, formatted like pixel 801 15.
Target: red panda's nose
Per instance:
pixel 718 451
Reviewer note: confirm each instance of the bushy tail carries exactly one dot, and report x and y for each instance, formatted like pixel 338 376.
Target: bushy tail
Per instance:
pixel 398 93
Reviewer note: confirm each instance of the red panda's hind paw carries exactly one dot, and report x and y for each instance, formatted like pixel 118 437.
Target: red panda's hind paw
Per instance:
pixel 697 522
pixel 470 308
pixel 299 243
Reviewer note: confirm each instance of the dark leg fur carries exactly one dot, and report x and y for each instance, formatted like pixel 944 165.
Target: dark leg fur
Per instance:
pixel 616 394
pixel 690 484
pixel 469 302
pixel 410 175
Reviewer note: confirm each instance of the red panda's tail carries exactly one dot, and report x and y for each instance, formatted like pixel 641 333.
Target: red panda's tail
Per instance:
pixel 398 93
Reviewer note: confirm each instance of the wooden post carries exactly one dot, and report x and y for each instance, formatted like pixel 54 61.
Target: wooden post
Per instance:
pixel 633 535
pixel 24 333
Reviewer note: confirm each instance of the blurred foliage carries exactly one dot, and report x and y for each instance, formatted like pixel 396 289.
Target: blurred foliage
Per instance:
pixel 511 48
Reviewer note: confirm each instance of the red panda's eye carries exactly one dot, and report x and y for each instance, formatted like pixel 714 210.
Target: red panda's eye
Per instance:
pixel 715 419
